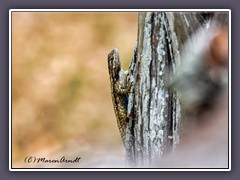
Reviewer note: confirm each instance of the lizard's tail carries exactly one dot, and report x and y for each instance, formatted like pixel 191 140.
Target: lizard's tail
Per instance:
pixel 122 128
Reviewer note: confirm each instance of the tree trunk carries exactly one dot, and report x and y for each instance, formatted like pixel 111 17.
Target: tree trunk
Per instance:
pixel 156 119
pixel 158 122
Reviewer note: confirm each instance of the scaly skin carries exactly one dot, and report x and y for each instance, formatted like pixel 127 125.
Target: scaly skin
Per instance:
pixel 120 88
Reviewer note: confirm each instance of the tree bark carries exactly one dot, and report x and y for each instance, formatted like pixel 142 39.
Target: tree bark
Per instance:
pixel 156 118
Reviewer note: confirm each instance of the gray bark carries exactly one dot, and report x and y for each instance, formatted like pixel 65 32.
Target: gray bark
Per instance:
pixel 157 121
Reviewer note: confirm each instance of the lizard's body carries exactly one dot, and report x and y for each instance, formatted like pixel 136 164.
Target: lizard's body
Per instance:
pixel 120 88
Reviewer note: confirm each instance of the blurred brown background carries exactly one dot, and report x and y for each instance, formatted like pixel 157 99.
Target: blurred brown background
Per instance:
pixel 61 100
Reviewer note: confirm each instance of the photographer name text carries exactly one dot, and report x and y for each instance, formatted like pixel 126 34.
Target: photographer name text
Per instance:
pixel 34 159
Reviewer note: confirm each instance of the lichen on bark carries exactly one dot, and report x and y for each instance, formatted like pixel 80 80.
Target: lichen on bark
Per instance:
pixel 154 128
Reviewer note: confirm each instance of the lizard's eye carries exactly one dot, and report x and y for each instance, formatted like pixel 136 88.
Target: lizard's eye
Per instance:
pixel 111 58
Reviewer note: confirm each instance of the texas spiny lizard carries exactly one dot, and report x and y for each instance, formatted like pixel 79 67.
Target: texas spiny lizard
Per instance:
pixel 120 87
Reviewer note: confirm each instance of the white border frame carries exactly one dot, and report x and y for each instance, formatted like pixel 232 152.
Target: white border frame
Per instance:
pixel 113 169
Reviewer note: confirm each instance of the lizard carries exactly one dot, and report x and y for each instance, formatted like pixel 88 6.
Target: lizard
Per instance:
pixel 120 87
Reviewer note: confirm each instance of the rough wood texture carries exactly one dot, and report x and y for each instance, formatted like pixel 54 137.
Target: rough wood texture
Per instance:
pixel 158 122
pixel 155 127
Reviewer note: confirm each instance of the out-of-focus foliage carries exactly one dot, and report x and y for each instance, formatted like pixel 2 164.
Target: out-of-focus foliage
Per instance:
pixel 60 86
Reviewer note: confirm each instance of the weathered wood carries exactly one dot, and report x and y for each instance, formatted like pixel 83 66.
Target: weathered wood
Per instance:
pixel 157 118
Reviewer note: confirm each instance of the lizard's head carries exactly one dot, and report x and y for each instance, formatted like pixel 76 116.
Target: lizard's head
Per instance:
pixel 114 64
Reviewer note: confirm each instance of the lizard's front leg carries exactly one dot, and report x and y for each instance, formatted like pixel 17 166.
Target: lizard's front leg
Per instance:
pixel 123 90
